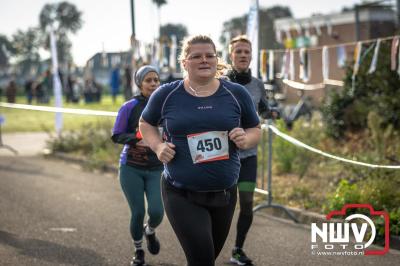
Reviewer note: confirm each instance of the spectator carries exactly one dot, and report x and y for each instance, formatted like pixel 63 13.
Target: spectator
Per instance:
pixel 128 83
pixel 11 92
pixel 114 83
pixel 29 90
pixel 47 87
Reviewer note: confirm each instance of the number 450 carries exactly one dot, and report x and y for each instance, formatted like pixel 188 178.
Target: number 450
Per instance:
pixel 209 145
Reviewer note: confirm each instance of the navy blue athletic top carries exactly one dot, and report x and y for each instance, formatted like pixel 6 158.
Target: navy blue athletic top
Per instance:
pixel 181 114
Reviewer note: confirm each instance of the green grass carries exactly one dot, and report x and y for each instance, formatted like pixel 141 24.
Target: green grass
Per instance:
pixel 17 120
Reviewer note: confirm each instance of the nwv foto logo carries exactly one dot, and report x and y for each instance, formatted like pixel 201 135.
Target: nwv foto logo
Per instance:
pixel 336 235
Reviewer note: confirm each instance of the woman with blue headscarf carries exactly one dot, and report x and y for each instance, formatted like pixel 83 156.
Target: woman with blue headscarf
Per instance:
pixel 140 170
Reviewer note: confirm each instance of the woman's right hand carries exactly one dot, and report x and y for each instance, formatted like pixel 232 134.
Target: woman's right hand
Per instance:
pixel 165 152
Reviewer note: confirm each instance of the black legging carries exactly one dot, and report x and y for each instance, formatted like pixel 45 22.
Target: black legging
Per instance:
pixel 201 230
pixel 245 217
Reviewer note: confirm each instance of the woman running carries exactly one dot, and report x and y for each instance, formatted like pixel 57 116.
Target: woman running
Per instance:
pixel 140 170
pixel 205 121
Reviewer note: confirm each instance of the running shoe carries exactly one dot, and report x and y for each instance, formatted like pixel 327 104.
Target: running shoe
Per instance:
pixel 153 245
pixel 240 258
pixel 138 260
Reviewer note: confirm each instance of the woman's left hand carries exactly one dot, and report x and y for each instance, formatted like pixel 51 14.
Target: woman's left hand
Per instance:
pixel 239 137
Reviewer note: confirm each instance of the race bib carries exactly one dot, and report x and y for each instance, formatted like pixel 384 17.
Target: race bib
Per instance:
pixel 208 146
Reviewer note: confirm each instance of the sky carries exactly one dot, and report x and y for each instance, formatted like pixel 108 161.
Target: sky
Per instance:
pixel 107 24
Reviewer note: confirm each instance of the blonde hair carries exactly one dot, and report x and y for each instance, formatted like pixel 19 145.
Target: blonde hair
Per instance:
pixel 187 43
pixel 240 38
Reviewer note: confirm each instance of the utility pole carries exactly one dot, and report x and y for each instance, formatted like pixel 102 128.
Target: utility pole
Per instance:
pixel 357 18
pixel 134 47
pixel 133 18
pixel 398 13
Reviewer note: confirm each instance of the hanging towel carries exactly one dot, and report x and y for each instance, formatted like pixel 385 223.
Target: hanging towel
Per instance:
pixel 341 56
pixel 325 63
pixel 374 61
pixel 395 44
pixel 271 65
pixel 291 66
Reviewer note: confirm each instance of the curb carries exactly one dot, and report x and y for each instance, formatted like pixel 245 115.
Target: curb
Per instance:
pixel 79 160
pixel 303 216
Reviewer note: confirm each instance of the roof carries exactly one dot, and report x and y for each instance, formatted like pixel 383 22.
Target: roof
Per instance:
pixel 348 17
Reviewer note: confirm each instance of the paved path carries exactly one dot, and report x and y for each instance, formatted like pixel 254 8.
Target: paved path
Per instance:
pixel 53 213
pixel 26 144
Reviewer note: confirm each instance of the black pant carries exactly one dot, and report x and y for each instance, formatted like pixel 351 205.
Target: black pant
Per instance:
pixel 201 229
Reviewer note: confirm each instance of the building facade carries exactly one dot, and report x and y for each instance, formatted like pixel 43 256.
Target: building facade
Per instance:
pixel 330 30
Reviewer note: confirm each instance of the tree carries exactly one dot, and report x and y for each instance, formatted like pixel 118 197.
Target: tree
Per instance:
pixel 159 4
pixel 267 32
pixel 168 30
pixel 26 45
pixel 179 30
pixel 6 51
pixel 232 28
pixel 65 18
pixel 238 25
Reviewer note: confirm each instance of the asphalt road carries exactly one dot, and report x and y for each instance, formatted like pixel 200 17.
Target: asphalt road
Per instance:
pixel 54 213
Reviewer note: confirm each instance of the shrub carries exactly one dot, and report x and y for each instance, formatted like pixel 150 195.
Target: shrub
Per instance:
pixel 378 92
pixel 284 152
pixel 92 141
pixel 394 217
pixel 379 190
pixel 289 158
pixel 345 193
